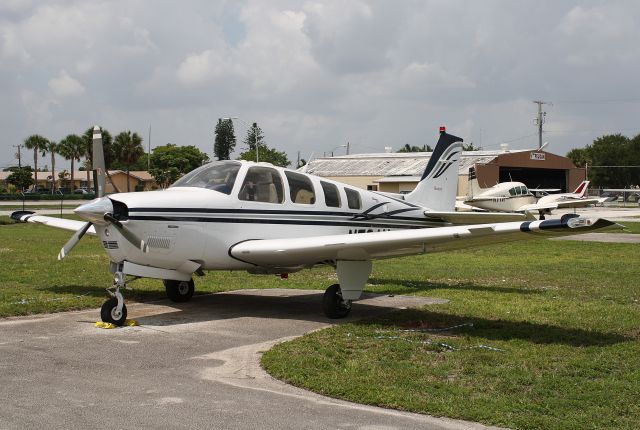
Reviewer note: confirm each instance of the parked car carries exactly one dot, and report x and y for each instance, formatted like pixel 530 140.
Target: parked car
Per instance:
pixel 81 190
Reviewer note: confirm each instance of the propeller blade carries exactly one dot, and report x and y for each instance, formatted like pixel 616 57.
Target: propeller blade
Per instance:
pixel 98 161
pixel 73 241
pixel 128 234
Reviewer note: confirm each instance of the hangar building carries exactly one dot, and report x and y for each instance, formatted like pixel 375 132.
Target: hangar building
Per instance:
pixel 400 172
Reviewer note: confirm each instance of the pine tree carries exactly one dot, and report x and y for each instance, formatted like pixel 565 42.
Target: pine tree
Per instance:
pixel 225 141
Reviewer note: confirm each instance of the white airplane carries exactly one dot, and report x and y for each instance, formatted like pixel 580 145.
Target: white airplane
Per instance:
pixel 237 215
pixel 575 199
pixel 516 197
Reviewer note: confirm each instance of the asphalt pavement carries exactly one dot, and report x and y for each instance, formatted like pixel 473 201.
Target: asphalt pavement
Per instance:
pixel 191 366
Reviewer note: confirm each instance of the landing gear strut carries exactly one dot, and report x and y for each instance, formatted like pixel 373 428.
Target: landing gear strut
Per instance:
pixel 114 310
pixel 333 305
pixel 179 291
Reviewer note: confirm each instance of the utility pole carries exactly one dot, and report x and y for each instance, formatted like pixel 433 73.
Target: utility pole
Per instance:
pixel 19 155
pixel 540 120
pixel 149 152
pixel 348 144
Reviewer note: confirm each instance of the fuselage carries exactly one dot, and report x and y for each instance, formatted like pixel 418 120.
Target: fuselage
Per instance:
pixel 200 221
pixel 503 197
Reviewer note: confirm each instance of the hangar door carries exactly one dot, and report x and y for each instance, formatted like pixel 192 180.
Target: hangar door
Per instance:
pixel 535 178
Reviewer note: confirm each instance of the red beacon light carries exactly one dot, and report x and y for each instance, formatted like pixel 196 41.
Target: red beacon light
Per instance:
pixel 443 129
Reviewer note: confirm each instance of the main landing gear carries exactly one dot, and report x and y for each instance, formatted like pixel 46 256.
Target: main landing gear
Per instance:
pixel 179 291
pixel 333 305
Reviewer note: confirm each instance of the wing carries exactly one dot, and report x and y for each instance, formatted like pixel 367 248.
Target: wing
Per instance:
pixel 477 217
pixel 576 203
pixel 313 250
pixel 538 207
pixel 65 224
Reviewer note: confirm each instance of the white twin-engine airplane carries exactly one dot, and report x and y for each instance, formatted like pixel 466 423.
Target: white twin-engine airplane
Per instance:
pixel 516 197
pixel 238 215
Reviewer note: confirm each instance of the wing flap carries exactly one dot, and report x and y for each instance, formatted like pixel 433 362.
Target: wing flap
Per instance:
pixel 368 246
pixel 62 223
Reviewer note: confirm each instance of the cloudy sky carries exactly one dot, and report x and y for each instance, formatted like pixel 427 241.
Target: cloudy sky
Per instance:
pixel 318 74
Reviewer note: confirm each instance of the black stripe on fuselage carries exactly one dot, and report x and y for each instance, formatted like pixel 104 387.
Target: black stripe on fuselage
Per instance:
pixel 363 224
pixel 351 215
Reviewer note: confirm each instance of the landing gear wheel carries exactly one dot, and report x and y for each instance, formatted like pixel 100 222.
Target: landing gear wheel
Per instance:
pixel 179 291
pixel 109 312
pixel 333 305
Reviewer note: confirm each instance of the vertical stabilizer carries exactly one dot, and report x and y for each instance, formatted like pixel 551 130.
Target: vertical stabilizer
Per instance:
pixel 439 184
pixel 581 191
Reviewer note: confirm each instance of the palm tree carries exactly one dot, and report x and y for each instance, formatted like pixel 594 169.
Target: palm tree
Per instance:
pixel 53 149
pixel 72 148
pixel 128 150
pixel 37 143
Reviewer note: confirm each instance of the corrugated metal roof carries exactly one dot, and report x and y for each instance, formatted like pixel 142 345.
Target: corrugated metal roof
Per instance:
pixel 391 164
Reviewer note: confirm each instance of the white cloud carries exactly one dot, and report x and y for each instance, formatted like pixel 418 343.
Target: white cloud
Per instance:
pixel 64 85
pixel 202 67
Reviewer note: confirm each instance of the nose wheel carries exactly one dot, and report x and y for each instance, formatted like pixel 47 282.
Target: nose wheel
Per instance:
pixel 114 310
pixel 333 305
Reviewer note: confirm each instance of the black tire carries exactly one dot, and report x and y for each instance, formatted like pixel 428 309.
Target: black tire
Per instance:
pixel 332 303
pixel 108 312
pixel 179 291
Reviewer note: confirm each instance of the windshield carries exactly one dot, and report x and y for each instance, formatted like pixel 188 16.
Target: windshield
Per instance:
pixel 218 176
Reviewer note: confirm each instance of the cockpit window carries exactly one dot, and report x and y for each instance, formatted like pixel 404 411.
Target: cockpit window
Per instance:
pixel 218 176
pixel 262 184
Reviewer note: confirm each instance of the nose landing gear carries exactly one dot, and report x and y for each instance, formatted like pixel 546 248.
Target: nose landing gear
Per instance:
pixel 114 310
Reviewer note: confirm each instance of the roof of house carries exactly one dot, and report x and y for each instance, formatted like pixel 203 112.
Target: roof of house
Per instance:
pixel 390 164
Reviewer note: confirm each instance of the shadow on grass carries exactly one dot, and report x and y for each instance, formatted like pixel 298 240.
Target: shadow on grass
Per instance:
pixel 500 330
pixel 408 287
pixel 92 291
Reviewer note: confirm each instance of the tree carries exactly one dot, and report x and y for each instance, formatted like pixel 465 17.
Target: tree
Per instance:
pixel 107 148
pixel 409 148
pixel 267 155
pixel 21 178
pixel 38 144
pixel 254 137
pixel 225 141
pixel 53 149
pixel 469 147
pixel 128 149
pixel 169 162
pixel 73 148
pixel 610 150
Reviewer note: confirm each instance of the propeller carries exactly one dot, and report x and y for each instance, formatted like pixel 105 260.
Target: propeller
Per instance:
pixel 126 233
pixel 100 210
pixel 74 240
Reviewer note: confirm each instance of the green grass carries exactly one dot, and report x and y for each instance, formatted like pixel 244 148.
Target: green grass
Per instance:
pixel 564 317
pixel 33 281
pixel 629 227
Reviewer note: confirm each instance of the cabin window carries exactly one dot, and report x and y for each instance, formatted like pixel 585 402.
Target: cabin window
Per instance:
pixel 300 188
pixel 512 191
pixel 353 198
pixel 262 184
pixel 524 191
pixel 331 194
